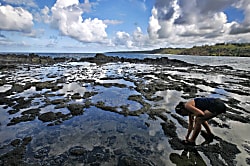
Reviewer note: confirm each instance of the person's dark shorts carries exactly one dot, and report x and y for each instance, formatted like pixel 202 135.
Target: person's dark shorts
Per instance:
pixel 213 105
pixel 217 107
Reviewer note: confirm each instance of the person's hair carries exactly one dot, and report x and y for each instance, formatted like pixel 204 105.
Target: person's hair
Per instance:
pixel 179 108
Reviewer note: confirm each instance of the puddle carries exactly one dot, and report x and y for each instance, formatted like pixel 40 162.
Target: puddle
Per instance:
pixel 72 88
pixel 117 81
pixel 116 97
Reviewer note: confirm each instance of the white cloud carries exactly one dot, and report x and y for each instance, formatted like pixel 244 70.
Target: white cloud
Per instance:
pixel 154 25
pixel 67 17
pixel 136 41
pixel 15 19
pixel 196 21
pixel 112 22
pixel 123 39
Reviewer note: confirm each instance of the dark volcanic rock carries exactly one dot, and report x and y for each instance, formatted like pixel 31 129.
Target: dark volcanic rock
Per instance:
pixel 77 151
pixel 47 117
pixel 130 160
pixel 15 156
pixel 76 109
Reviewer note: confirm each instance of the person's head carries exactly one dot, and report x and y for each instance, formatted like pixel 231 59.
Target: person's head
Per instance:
pixel 181 110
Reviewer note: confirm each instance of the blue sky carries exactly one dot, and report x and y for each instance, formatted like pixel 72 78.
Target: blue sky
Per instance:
pixel 114 25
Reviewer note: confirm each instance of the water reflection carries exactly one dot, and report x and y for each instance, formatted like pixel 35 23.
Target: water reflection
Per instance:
pixel 189 156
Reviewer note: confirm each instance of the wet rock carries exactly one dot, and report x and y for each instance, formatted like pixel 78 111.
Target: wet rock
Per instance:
pixel 44 85
pixel 56 88
pixel 176 143
pixel 180 120
pixel 77 151
pixel 228 152
pixel 101 105
pixel 23 118
pixel 16 155
pixel 239 118
pixel 55 160
pixel 248 160
pixel 100 59
pixel 130 160
pixel 187 157
pixel 62 105
pixel 47 117
pixel 28 115
pixel 11 60
pixel 97 155
pixel 142 151
pixel 246 146
pixel 139 139
pixel 89 94
pixel 139 99
pixel 121 127
pixel 57 101
pixel 108 85
pixel 17 88
pixel 34 111
pixel 16 142
pixel 76 96
pixel 76 109
pixel 111 140
pixel 169 129
pixel 13 111
pixel 118 151
pixel 42 153
pixel 56 118
pixel 22 103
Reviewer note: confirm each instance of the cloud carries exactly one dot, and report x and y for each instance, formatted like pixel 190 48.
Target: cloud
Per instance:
pixel 244 27
pixel 35 33
pixel 239 29
pixel 112 22
pixel 15 19
pixel 196 21
pixel 136 41
pixel 123 39
pixel 67 17
pixel 154 25
pixel 24 3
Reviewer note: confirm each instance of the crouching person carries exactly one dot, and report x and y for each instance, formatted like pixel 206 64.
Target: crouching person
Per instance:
pixel 200 110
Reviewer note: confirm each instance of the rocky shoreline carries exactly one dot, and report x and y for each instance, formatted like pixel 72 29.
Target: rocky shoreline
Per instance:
pixel 35 90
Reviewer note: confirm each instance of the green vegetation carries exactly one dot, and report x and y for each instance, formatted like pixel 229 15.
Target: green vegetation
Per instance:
pixel 220 49
pixel 168 51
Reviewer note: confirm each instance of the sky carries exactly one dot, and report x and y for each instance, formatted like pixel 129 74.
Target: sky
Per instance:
pixel 83 26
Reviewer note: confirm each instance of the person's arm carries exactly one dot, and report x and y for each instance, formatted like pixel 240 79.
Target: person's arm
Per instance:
pixel 190 126
pixel 190 106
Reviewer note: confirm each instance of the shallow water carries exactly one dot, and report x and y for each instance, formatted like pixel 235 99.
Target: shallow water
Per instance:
pixel 117 122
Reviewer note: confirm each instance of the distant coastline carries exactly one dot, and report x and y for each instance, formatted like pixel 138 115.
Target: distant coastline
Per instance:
pixel 219 49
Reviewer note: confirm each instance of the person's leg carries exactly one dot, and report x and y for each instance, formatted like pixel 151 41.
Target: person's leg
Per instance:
pixel 207 128
pixel 198 122
pixel 197 129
